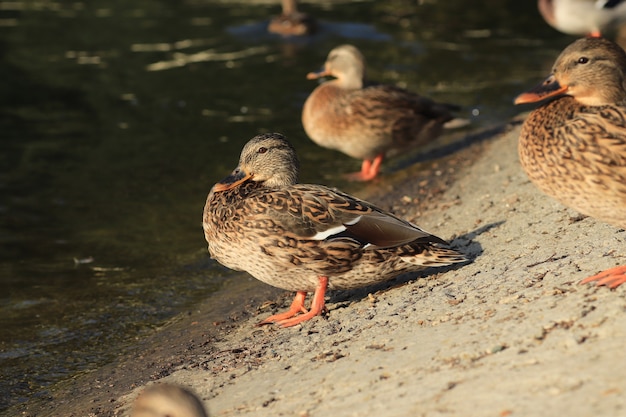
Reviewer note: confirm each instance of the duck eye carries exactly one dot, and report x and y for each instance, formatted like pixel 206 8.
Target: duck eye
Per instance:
pixel 262 149
pixel 583 60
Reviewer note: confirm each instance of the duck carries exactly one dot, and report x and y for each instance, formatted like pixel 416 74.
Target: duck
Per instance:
pixel 167 400
pixel 573 147
pixel 291 22
pixel 367 121
pixel 583 17
pixel 308 237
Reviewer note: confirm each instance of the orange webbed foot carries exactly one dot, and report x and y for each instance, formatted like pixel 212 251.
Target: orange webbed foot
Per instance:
pixel 358 176
pixel 612 278
pixel 369 169
pixel 291 317
pixel 297 306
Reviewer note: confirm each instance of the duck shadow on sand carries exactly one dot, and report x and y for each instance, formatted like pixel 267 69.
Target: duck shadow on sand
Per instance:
pixel 456 145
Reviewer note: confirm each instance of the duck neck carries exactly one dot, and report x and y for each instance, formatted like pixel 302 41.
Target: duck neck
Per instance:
pixel 608 96
pixel 351 81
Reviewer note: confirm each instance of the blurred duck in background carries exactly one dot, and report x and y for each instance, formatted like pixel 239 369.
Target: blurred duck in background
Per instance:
pixel 291 22
pixel 167 400
pixel 583 17
pixel 368 121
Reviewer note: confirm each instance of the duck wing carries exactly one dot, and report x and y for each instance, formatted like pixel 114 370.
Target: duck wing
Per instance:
pixel 385 98
pixel 312 212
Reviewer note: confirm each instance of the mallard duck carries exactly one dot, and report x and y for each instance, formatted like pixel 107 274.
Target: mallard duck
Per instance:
pixel 367 121
pixel 291 22
pixel 574 147
pixel 167 400
pixel 582 17
pixel 304 237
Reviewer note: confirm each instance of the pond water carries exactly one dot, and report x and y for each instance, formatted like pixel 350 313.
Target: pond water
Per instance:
pixel 117 117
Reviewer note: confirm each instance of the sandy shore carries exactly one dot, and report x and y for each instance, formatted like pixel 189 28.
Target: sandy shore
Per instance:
pixel 512 333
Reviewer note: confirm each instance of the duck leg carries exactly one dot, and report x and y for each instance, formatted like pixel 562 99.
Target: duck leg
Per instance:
pixel 612 278
pixel 594 34
pixel 290 318
pixel 369 169
pixel 317 305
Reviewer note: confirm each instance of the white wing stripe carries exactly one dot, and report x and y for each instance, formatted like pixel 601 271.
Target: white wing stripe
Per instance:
pixel 329 232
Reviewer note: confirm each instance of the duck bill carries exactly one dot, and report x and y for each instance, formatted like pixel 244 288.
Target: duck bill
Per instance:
pixel 316 75
pixel 238 176
pixel 550 87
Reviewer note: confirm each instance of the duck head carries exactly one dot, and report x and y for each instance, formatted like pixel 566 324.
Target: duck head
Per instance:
pixel 268 158
pixel 346 63
pixel 591 70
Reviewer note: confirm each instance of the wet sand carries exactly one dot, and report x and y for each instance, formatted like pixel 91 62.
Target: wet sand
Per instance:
pixel 511 333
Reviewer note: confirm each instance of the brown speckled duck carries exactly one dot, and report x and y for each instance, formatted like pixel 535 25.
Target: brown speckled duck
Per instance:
pixel 367 121
pixel 307 238
pixel 167 400
pixel 574 147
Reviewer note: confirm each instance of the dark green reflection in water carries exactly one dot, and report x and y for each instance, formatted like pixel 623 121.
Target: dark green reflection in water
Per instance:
pixel 117 117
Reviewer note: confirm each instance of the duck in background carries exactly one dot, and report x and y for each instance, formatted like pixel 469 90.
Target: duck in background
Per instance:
pixel 583 17
pixel 291 22
pixel 574 147
pixel 305 237
pixel 167 400
pixel 368 121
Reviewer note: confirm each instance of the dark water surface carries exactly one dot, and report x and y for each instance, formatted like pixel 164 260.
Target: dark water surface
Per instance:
pixel 116 117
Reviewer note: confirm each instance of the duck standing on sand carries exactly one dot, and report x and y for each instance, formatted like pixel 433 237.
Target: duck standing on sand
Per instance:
pixel 304 237
pixel 368 121
pixel 574 147
pixel 583 17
